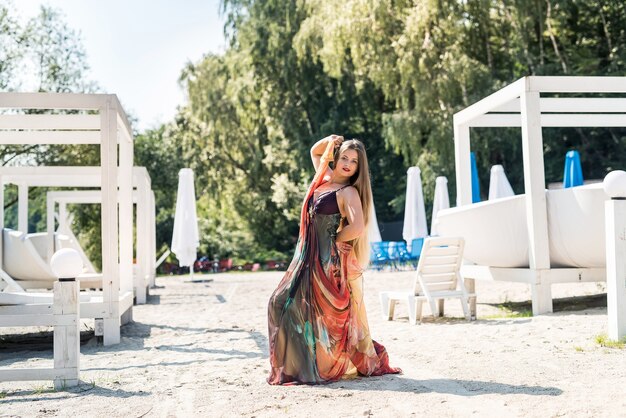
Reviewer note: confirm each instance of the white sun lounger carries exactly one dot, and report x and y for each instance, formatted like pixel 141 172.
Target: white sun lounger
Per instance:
pixel 24 261
pixel 437 278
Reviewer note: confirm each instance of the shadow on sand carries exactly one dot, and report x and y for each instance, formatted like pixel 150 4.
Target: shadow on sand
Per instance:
pixel 133 336
pixel 521 312
pixel 560 305
pixel 82 389
pixel 398 383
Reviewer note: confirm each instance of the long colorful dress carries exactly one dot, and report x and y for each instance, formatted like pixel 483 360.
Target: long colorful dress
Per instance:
pixel 318 330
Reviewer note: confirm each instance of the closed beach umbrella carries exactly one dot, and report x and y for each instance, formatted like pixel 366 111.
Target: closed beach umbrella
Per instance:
pixel 414 209
pixel 499 185
pixel 475 182
pixel 573 174
pixel 373 231
pixel 185 239
pixel 441 201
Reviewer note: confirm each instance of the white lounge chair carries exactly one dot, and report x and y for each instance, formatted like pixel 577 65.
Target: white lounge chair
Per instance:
pixel 24 260
pixel 437 278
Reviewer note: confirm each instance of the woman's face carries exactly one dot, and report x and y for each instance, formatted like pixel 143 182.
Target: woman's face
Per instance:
pixel 348 163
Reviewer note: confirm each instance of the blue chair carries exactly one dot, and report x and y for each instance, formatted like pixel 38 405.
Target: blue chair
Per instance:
pixel 399 254
pixel 380 254
pixel 372 251
pixel 393 256
pixel 375 251
pixel 416 250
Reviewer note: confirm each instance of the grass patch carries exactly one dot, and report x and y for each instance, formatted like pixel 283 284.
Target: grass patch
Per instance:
pixel 604 341
pixel 3 395
pixel 578 348
pixel 508 312
pixel 38 390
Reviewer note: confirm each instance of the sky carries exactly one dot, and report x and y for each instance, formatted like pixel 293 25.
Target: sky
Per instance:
pixel 137 48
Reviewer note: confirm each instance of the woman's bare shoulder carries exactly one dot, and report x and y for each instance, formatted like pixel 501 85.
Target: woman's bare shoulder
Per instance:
pixel 347 195
pixel 350 191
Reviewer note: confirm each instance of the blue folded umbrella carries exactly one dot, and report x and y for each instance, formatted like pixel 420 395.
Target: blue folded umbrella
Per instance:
pixel 573 174
pixel 475 183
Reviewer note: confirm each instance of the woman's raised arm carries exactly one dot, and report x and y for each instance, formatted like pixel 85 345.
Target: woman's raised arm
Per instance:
pixel 318 148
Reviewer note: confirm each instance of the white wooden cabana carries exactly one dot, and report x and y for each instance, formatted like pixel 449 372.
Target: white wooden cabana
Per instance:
pixel 95 119
pixel 524 104
pixel 143 197
pixel 145 247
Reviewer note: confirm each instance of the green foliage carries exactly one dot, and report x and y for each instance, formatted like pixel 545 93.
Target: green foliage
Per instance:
pixel 44 51
pixel 430 59
pixel 49 53
pixel 11 52
pixel 159 151
pixel 252 116
pixel 390 72
pixel 57 52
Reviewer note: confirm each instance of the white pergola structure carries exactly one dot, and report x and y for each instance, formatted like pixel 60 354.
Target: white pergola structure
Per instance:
pixel 143 197
pixel 95 119
pixel 521 105
pixel 145 245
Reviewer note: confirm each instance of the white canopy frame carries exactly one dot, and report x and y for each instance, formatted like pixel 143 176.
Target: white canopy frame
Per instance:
pixel 143 197
pixel 106 125
pixel 145 245
pixel 520 105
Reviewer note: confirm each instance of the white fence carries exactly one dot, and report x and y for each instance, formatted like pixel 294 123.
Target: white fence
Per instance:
pixel 65 318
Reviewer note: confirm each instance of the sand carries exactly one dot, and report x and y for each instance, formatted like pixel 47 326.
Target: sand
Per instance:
pixel 201 349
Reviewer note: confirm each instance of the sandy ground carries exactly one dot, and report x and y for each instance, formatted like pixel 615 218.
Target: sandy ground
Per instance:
pixel 200 349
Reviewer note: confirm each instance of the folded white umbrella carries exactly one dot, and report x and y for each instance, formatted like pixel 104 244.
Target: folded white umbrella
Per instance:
pixel 373 231
pixel 185 239
pixel 499 185
pixel 441 201
pixel 414 209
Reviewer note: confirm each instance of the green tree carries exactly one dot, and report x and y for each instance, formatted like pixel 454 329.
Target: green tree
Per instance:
pixel 11 53
pixel 57 53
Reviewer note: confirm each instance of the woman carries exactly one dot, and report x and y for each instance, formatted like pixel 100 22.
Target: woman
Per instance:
pixel 318 329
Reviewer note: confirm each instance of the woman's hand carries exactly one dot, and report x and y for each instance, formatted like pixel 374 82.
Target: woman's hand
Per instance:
pixel 344 247
pixel 320 146
pixel 336 139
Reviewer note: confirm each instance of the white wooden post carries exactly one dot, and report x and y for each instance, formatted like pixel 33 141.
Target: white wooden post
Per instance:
pixel 463 169
pixel 2 225
pixel 50 225
pixel 536 210
pixel 462 164
pixel 616 267
pixel 63 218
pixel 66 310
pixel 152 259
pixel 22 208
pixel 143 238
pixel 110 248
pixel 125 184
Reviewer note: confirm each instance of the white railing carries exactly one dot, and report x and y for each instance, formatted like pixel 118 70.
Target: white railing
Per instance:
pixel 65 318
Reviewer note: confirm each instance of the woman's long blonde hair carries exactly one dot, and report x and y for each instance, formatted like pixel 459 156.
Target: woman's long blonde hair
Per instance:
pixel 361 182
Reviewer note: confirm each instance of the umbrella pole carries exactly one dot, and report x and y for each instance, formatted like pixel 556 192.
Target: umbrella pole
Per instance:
pixel 191 271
